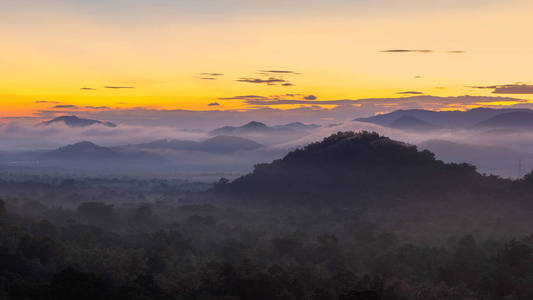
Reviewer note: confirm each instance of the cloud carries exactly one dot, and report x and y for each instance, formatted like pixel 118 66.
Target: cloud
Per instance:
pixel 45 101
pixel 410 93
pixel 268 81
pixel 420 51
pixel 297 101
pixel 87 89
pixel 213 104
pixel 280 72
pixel 66 106
pixel 383 104
pixel 407 51
pixel 210 76
pixel 287 84
pixel 508 88
pixel 97 107
pixel 119 87
pixel 310 97
pixel 245 97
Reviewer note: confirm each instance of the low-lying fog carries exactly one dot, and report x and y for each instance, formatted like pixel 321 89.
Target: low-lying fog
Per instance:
pixel 167 150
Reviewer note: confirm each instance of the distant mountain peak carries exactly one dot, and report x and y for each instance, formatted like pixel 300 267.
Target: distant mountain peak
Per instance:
pixel 513 119
pixel 86 151
pixel 254 124
pixel 258 127
pixel 450 119
pixel 75 121
pixel 412 123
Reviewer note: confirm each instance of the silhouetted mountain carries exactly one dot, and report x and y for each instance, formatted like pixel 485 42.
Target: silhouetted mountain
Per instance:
pixel 74 121
pixel 412 123
pixel 84 152
pixel 511 120
pixel 297 126
pixel 359 168
pixel 261 128
pixel 217 144
pixel 442 119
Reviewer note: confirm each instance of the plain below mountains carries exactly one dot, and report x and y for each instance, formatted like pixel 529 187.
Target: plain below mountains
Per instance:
pixel 479 118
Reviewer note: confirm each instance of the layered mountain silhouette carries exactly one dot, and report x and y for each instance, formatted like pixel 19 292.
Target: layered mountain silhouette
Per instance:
pixel 255 127
pixel 412 123
pixel 267 135
pixel 419 118
pixel 217 144
pixel 74 121
pixel 515 119
pixel 87 152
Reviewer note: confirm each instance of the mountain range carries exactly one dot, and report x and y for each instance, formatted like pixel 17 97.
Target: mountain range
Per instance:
pixel 87 152
pixel 478 118
pixel 261 128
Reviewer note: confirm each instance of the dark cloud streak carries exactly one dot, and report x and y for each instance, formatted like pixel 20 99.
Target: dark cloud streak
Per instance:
pixel 269 81
pixel 410 93
pixel 119 87
pixel 508 88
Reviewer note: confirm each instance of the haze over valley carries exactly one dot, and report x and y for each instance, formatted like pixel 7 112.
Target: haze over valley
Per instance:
pixel 266 150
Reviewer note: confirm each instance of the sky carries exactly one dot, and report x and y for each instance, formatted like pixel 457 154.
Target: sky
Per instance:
pixel 150 58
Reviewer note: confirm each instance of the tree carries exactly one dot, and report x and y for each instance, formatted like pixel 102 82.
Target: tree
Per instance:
pixel 71 284
pixel 3 208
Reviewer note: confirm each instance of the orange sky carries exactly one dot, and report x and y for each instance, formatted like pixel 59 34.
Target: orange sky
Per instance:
pixel 50 50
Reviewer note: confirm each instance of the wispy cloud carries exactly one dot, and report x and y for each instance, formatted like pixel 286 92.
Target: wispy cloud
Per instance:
pixel 421 51
pixel 297 101
pixel 279 72
pixel 210 76
pixel 119 87
pixel 310 97
pixel 407 51
pixel 268 81
pixel 66 106
pixel 245 97
pixel 49 102
pixel 97 107
pixel 87 89
pixel 410 93
pixel 508 88
pixel 213 104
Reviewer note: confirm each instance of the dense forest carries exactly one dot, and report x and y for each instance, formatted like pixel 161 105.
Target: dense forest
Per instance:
pixel 355 216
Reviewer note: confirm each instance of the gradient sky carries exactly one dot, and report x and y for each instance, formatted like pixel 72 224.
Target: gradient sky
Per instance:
pixel 164 54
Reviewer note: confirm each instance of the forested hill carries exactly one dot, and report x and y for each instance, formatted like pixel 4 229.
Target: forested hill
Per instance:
pixel 364 167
